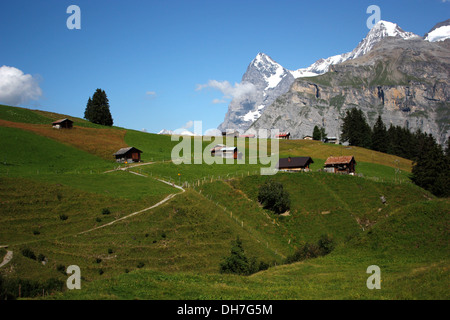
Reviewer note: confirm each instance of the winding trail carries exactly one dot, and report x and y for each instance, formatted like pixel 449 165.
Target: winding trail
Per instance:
pixel 170 196
pixel 7 258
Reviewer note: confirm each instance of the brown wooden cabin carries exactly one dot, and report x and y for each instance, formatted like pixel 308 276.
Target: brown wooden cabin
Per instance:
pixel 128 155
pixel 283 135
pixel 294 164
pixel 343 164
pixel 63 124
pixel 223 151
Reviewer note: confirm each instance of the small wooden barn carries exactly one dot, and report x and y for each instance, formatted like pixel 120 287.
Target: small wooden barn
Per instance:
pixel 223 151
pixel 332 140
pixel 231 133
pixel 283 135
pixel 294 164
pixel 63 124
pixel 343 164
pixel 128 155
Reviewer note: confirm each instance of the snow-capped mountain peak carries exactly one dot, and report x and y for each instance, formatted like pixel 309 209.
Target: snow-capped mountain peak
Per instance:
pixel 272 71
pixel 389 29
pixel 381 30
pixel 440 32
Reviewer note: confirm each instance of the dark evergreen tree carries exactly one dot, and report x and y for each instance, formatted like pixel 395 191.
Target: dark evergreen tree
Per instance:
pixel 431 168
pixel 447 149
pixel 237 262
pixel 380 140
pixel 316 133
pixel 97 109
pixel 323 134
pixel 355 129
pixel 319 134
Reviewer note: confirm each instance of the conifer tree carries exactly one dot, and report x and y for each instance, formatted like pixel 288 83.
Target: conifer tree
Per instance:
pixel 379 136
pixel 316 133
pixel 97 109
pixel 431 169
pixel 355 129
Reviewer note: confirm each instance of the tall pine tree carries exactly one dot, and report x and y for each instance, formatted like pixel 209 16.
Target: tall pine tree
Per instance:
pixel 431 169
pixel 97 109
pixel 379 136
pixel 355 129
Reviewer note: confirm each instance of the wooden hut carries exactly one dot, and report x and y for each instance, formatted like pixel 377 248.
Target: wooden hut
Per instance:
pixel 63 124
pixel 344 164
pixel 128 155
pixel 294 164
pixel 283 135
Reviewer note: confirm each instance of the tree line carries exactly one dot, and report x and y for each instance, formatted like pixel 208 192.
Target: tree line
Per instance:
pixel 431 165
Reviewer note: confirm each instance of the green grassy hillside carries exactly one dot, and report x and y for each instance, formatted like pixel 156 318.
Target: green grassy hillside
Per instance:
pixel 61 200
pixel 413 261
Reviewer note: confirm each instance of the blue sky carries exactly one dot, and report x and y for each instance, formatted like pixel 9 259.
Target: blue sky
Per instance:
pixel 150 56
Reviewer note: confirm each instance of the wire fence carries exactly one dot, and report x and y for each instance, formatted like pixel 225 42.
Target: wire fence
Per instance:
pixel 241 223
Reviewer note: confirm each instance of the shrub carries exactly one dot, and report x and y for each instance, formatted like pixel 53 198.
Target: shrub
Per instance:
pixel 273 197
pixel 308 251
pixel 140 265
pixel 36 232
pixel 110 251
pixel 41 257
pixel 63 217
pixel 100 271
pixel 98 260
pixel 98 219
pixel 106 211
pixel 238 263
pixel 61 268
pixel 27 252
pixel 326 244
pixel 28 288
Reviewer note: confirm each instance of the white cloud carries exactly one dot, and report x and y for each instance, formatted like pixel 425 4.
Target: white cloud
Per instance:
pixel 150 93
pixel 213 133
pixel 17 88
pixel 188 124
pixel 238 91
pixel 216 101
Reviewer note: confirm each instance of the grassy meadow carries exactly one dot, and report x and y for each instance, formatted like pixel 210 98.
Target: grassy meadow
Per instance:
pixel 62 199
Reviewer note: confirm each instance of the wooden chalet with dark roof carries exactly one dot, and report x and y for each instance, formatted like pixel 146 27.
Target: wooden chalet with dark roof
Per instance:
pixel 63 124
pixel 294 164
pixel 128 155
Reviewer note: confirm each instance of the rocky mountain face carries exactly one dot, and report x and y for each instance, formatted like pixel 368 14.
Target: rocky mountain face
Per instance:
pixel 271 80
pixel 404 81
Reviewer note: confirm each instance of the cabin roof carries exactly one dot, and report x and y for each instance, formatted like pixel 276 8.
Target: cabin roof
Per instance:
pixel 61 121
pixel 296 162
pixel 123 151
pixel 339 160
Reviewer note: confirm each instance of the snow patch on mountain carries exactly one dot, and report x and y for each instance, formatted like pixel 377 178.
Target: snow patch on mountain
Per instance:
pixel 381 30
pixel 439 34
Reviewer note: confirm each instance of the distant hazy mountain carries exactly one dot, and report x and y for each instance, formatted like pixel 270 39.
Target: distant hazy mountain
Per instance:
pixel 272 80
pixel 164 131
